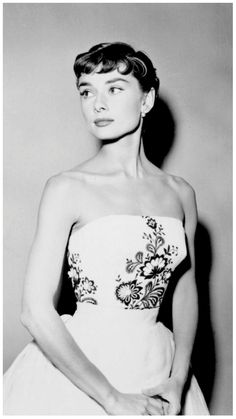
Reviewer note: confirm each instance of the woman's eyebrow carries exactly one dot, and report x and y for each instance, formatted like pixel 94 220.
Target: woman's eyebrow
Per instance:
pixel 85 83
pixel 116 79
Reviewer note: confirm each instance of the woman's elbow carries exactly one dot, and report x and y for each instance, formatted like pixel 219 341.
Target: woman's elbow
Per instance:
pixel 32 315
pixel 28 316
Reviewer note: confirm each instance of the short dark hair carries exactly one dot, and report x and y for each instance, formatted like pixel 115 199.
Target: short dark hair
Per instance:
pixel 111 56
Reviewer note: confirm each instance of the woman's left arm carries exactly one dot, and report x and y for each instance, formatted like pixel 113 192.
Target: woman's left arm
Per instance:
pixel 185 301
pixel 185 315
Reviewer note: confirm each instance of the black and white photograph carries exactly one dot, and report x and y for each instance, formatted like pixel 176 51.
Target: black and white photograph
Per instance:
pixel 117 209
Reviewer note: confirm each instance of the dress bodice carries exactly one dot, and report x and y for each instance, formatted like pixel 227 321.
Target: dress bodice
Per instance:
pixel 125 261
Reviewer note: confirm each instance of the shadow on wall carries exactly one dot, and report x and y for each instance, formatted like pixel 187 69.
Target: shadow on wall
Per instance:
pixel 158 132
pixel 204 356
pixel 160 124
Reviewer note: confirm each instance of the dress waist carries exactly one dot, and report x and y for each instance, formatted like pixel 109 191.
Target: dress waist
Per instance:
pixel 128 346
pixel 106 313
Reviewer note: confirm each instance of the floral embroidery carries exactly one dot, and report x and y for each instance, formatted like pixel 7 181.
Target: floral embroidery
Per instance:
pixel 84 288
pixel 128 291
pixel 154 267
pixel 130 266
pixel 88 285
pixel 151 223
pixel 153 294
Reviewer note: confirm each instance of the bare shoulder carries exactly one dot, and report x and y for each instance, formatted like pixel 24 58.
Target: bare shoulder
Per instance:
pixel 58 186
pixel 178 185
pixel 187 197
pixel 183 188
pixel 64 183
pixel 183 193
pixel 58 195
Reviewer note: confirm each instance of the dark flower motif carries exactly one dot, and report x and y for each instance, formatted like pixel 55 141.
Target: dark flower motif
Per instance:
pixel 153 267
pixel 128 291
pixel 152 223
pixel 88 286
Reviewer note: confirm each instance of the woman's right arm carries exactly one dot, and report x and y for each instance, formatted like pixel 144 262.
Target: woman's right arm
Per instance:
pixel 40 316
pixel 42 279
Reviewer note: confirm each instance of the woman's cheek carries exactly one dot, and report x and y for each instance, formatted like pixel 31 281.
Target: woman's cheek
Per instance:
pixel 86 112
pixel 134 107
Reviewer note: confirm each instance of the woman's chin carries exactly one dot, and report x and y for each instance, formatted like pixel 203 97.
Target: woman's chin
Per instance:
pixel 114 136
pixel 110 137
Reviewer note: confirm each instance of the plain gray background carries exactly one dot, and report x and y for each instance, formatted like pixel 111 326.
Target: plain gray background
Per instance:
pixel 190 44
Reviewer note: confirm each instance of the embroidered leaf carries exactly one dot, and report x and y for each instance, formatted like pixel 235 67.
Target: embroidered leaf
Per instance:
pixel 78 293
pixel 152 295
pixel 160 291
pixel 161 230
pixel 167 250
pixel 160 241
pixel 148 288
pixel 139 257
pixel 130 267
pixel 150 248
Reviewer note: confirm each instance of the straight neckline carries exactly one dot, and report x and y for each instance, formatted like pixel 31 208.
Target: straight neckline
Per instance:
pixel 103 217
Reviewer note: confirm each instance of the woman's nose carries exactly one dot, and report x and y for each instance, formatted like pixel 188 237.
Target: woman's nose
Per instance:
pixel 100 103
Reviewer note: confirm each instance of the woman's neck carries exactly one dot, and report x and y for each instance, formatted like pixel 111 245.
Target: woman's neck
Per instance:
pixel 125 156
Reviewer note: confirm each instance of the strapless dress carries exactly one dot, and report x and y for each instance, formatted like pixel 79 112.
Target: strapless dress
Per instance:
pixel 120 267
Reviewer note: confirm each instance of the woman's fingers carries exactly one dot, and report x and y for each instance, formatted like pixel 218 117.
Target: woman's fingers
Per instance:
pixel 155 407
pixel 153 411
pixel 165 407
pixel 168 395
pixel 171 407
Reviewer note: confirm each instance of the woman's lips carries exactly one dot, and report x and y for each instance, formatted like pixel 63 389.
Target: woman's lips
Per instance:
pixel 102 122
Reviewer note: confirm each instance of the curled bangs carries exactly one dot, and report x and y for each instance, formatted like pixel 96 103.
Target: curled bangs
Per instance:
pixel 102 62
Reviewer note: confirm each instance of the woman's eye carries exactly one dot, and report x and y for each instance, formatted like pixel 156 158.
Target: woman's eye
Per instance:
pixel 86 93
pixel 114 90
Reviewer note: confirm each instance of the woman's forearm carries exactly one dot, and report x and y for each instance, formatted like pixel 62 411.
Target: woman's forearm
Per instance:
pixel 50 333
pixel 185 315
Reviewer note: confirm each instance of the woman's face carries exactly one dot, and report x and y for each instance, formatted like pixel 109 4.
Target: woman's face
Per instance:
pixel 111 103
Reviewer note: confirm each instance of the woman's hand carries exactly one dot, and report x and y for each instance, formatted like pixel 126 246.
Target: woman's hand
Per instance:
pixel 170 392
pixel 133 404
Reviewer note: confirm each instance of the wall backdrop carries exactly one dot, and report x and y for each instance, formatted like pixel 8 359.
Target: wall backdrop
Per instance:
pixel 191 47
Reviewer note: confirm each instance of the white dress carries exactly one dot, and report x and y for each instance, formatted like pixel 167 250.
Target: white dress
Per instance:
pixel 120 267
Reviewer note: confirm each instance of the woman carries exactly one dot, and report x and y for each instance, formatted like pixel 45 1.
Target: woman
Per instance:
pixel 129 225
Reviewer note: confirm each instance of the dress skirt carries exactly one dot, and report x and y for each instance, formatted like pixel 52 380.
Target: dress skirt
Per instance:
pixel 34 386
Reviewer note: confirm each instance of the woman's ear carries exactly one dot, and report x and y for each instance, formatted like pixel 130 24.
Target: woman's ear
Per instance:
pixel 148 101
